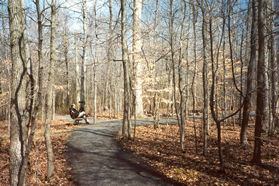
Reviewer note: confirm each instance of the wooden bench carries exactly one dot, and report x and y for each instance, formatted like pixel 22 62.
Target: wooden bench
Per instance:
pixel 77 120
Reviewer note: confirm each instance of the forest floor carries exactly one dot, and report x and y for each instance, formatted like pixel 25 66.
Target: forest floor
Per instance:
pixel 160 149
pixel 36 175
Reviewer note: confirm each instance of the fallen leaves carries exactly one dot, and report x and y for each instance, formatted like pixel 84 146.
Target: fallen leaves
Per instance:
pixel 36 174
pixel 160 149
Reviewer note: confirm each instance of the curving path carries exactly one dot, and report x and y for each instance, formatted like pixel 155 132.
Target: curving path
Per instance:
pixel 96 158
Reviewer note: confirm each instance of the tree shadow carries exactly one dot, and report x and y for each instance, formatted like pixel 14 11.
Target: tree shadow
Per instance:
pixel 235 168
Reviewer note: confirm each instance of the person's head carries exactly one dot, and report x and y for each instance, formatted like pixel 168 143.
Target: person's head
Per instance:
pixel 73 106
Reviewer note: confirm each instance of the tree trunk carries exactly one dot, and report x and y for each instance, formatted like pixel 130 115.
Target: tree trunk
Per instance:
pixel 137 45
pixel 247 98
pixel 181 89
pixel 156 107
pixel 193 88
pixel 49 94
pixel 260 85
pixel 77 71
pixel 66 53
pixel 36 99
pixel 83 57
pixel 276 40
pixel 125 70
pixel 95 67
pixel 205 82
pixel 18 110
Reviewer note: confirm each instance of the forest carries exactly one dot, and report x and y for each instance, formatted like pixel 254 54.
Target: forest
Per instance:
pixel 205 72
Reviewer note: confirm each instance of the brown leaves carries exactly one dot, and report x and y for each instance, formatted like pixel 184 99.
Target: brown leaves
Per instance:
pixel 160 149
pixel 36 175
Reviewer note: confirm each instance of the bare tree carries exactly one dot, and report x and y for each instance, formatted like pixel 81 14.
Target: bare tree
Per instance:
pixel 66 59
pixel 193 87
pixel 275 67
pixel 126 114
pixel 180 85
pixel 83 56
pixel 49 93
pixel 204 76
pixel 77 71
pixel 18 111
pixel 137 45
pixel 247 98
pixel 260 85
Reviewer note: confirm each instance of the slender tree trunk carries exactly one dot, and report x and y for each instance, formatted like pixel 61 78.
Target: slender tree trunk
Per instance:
pixel 125 70
pixel 193 88
pixel 276 79
pixel 135 116
pixel 95 94
pixel 49 94
pixel 224 81
pixel 36 99
pixel 95 66
pixel 214 113
pixel 260 85
pixel 180 79
pixel 247 98
pixel 83 56
pixel 77 70
pixel 156 107
pixel 272 73
pixel 205 82
pixel 175 105
pixel 241 76
pixel 66 53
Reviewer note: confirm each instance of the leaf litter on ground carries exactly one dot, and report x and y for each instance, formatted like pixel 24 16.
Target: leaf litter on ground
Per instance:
pixel 36 174
pixel 160 149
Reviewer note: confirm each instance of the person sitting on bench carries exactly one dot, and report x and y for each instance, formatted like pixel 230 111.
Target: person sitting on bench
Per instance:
pixel 77 114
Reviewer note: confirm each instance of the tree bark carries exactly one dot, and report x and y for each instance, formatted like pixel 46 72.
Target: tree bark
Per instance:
pixel 66 56
pixel 247 98
pixel 205 81
pixel 18 110
pixel 193 88
pixel 83 57
pixel 276 40
pixel 126 113
pixel 138 62
pixel 260 85
pixel 180 81
pixel 49 94
pixel 77 71
pixel 35 99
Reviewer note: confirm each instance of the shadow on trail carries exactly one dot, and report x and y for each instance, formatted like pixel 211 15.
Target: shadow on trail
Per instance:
pixel 97 159
pixel 100 132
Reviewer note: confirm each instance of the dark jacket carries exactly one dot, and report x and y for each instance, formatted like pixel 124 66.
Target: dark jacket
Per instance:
pixel 74 113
